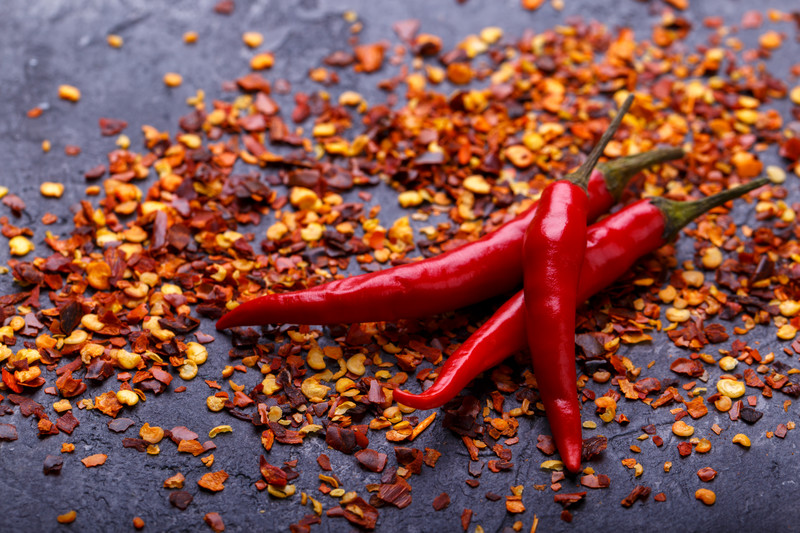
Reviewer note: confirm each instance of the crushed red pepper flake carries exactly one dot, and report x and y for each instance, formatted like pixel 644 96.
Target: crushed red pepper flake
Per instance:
pixel 94 460
pixel 213 481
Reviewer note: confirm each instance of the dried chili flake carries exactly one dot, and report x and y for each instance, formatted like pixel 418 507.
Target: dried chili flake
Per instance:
pixel 272 474
pixel 94 460
pixel 67 423
pixel 371 460
pixel 120 425
pixel 214 521
pixel 180 499
pixel 569 499
pixel 52 465
pixel 174 482
pixel 440 502
pixel 111 126
pixel 639 492
pixel 8 432
pixel 213 481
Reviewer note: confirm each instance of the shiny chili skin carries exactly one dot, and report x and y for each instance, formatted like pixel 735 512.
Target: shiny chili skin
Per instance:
pixel 553 251
pixel 487 267
pixel 613 245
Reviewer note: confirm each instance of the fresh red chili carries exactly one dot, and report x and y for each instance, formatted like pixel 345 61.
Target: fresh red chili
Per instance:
pixel 552 252
pixel 487 267
pixel 613 245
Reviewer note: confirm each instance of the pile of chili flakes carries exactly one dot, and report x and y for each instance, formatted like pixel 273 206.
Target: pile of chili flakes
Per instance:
pixel 245 201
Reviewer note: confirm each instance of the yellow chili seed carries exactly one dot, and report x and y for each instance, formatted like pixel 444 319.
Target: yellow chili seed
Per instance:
pixel 704 446
pixel 787 332
pixel 706 496
pixel 712 258
pixel 220 429
pixel 188 370
pixel 114 41
pixel 51 189
pixel 724 404
pixel 728 363
pixel 355 364
pixel 172 79
pixel 127 397
pixel 190 37
pixel 731 388
pixel 67 518
pixel 196 353
pixel 215 403
pixel 19 245
pixel 69 93
pixel 741 439
pixel 253 39
pixel 682 429
pixel 262 61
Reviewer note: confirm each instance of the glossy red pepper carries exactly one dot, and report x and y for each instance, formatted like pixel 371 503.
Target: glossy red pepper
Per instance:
pixel 552 252
pixel 487 267
pixel 613 245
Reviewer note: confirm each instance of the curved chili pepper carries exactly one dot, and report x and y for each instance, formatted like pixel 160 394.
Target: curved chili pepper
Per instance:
pixel 613 245
pixel 487 267
pixel 552 252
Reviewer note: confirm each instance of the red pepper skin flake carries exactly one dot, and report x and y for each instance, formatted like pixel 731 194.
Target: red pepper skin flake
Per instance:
pixel 441 501
pixel 180 499
pixel 214 521
pixel 213 481
pixel 94 460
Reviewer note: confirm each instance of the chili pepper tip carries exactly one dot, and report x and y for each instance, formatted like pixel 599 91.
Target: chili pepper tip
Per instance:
pixel 581 176
pixel 679 214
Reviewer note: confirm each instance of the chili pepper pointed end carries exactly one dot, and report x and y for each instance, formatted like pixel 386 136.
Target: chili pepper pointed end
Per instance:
pixel 417 401
pixel 239 316
pixel 581 176
pixel 618 172
pixel 679 214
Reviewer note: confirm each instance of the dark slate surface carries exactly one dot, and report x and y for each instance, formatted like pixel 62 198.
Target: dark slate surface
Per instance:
pixel 44 43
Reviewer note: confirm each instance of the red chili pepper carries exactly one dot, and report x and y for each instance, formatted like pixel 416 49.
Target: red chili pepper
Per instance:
pixel 487 267
pixel 613 245
pixel 552 252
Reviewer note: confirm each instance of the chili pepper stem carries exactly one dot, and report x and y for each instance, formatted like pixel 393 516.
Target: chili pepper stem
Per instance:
pixel 679 214
pixel 620 171
pixel 581 176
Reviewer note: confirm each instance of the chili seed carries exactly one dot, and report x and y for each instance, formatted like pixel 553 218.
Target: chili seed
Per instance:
pixel 51 189
pixel 127 397
pixel 114 41
pixel 188 370
pixel 19 245
pixel 253 39
pixel 712 258
pixel 787 332
pixel 172 79
pixel 723 404
pixel 262 61
pixel 728 363
pixel 706 496
pixel 731 388
pixel 69 93
pixel 742 440
pixel 682 429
